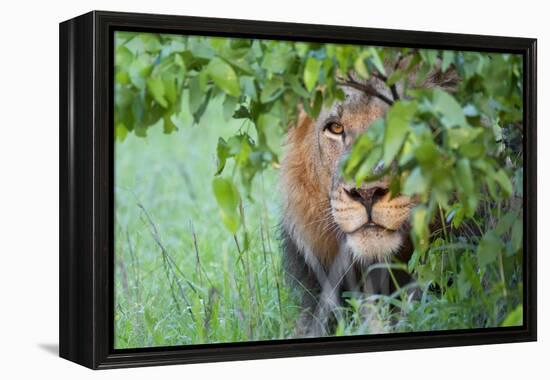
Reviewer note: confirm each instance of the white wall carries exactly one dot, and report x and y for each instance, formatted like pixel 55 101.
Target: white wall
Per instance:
pixel 29 185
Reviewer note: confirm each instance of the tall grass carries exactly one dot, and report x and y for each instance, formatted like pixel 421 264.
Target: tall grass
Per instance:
pixel 181 278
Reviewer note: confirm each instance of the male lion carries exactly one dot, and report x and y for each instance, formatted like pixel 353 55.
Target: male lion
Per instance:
pixel 331 230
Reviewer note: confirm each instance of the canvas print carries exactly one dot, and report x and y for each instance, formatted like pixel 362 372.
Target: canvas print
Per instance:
pixel 271 190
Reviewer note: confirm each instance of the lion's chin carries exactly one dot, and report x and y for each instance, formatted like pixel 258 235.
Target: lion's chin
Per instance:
pixel 374 243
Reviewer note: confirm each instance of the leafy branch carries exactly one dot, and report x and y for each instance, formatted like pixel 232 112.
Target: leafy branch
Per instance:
pixel 368 89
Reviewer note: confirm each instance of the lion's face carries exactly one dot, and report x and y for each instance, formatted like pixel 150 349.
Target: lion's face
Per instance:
pixel 323 215
pixel 373 225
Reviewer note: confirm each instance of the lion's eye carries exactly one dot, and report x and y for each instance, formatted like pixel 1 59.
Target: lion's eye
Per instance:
pixel 335 128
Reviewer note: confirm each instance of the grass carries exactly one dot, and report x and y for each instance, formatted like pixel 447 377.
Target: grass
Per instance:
pixel 181 278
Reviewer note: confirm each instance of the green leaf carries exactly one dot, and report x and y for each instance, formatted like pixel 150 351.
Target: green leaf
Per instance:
pixel 317 104
pixel 297 87
pixel 224 76
pixel 506 222
pixel 229 105
pixel 464 176
pixel 376 61
pixel 458 218
pixel 272 90
pixel 395 77
pixel 427 154
pixel 123 57
pixel 151 42
pixel 217 42
pixel 222 150
pixel 514 318
pixel 240 148
pixel 139 69
pixel 277 60
pixel 228 198
pixel 121 132
pixel 361 147
pixel 170 89
pixel 472 150
pixel 413 261
pixel 420 232
pixel 470 110
pixel 445 104
pixel 415 183
pixel 168 124
pixel 376 131
pixel 368 165
pixel 504 182
pixel 397 126
pixel 195 95
pixel 464 284
pixel 488 249
pixel 517 235
pixel 395 186
pixel 311 73
pixel 122 77
pixel 470 273
pixel 448 58
pixel 343 54
pixel 492 187
pixel 202 104
pixel 457 137
pixel 242 113
pixel 155 86
pixel 268 126
pixel 429 56
pixel 203 80
pixel 249 88
pixel 360 67
pixel 464 181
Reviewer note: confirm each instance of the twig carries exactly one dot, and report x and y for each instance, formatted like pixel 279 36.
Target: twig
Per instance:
pixel 366 88
pixel 398 61
pixel 394 93
pixel 393 88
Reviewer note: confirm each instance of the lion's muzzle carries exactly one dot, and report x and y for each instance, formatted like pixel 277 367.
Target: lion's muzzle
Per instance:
pixel 373 222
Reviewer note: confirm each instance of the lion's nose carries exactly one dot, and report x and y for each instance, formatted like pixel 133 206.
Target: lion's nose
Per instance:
pixel 368 196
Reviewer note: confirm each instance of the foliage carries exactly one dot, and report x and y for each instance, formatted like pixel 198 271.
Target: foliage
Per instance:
pixel 459 153
pixel 461 156
pixel 181 278
pixel 261 82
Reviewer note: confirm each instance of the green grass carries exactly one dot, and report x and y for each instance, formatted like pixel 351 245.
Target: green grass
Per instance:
pixel 181 277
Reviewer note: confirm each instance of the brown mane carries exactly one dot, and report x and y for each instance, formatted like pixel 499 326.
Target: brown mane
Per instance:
pixel 306 207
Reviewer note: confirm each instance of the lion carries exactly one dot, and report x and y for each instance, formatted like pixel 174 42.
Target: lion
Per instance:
pixel 332 231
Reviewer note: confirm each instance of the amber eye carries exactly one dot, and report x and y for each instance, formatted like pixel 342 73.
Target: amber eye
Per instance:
pixel 335 128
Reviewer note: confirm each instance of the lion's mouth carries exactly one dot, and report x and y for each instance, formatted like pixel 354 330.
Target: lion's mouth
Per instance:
pixel 371 226
pixel 373 241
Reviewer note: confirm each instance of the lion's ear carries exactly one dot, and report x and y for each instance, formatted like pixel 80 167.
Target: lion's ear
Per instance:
pixel 304 121
pixel 447 80
pixel 298 132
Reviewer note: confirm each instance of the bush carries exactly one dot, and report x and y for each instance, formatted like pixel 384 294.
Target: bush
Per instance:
pixel 460 153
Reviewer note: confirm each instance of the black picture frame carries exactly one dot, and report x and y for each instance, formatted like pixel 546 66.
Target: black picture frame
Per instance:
pixel 86 190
